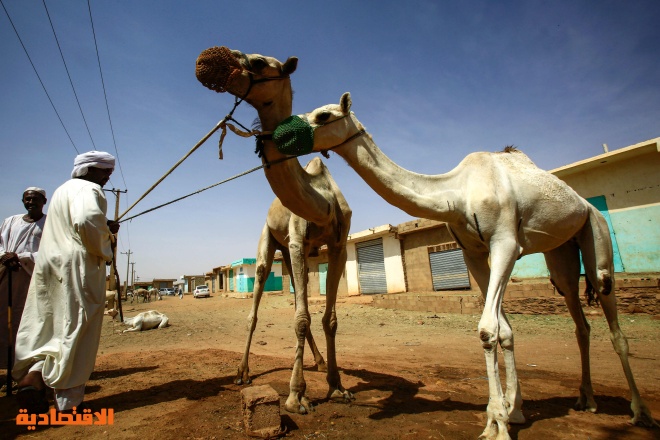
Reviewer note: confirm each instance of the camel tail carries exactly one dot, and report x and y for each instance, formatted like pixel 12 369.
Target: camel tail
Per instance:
pixel 589 293
pixel 596 248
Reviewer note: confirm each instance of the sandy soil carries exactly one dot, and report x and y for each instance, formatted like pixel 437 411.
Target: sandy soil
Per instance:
pixel 414 375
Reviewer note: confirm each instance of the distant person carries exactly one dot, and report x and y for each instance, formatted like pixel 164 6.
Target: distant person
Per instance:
pixel 59 334
pixel 180 292
pixel 20 236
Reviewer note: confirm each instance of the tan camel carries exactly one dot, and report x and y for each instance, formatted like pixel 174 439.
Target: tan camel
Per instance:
pixel 276 235
pixel 499 207
pixel 319 211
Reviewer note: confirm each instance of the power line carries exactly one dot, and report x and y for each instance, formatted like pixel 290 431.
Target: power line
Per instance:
pixel 68 74
pixel 38 77
pixel 89 7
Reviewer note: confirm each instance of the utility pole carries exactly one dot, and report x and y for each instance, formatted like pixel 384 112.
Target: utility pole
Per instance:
pixel 113 277
pixel 129 260
pixel 132 274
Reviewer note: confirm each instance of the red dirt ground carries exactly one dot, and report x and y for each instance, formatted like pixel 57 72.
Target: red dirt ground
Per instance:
pixel 414 375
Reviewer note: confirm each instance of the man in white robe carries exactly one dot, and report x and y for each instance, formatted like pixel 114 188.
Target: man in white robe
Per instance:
pixel 60 331
pixel 20 236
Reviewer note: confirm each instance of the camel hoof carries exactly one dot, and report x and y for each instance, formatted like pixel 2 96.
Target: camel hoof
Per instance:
pixel 240 381
pixel 586 404
pixel 322 367
pixel 339 395
pixel 516 417
pixel 644 418
pixel 299 407
pixel 493 433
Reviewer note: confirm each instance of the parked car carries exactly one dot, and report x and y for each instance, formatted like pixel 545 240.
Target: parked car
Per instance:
pixel 166 291
pixel 202 291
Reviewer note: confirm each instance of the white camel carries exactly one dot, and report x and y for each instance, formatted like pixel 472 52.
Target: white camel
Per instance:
pixel 499 207
pixel 146 321
pixel 264 83
pixel 282 228
pixel 155 294
pixel 140 293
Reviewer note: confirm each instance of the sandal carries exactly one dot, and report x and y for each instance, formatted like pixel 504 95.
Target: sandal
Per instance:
pixel 33 400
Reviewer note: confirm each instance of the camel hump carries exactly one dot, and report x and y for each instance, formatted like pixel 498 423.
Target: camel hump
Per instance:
pixel 315 166
pixel 511 149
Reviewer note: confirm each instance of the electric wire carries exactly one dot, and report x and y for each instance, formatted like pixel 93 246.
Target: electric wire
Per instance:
pixel 107 108
pixel 98 58
pixel 38 77
pixel 68 74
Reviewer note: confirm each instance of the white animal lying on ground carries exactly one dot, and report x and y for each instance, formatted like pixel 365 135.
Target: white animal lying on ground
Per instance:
pixel 146 321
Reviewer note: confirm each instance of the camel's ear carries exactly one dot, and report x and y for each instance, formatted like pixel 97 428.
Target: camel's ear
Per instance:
pixel 345 102
pixel 290 66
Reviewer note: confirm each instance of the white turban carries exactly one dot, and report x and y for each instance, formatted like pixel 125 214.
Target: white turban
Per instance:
pixel 95 159
pixel 36 189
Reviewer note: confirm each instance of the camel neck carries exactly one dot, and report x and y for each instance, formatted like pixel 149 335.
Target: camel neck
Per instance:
pixel 288 179
pixel 434 197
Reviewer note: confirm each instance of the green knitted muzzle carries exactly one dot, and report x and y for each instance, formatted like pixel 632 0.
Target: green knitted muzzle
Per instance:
pixel 294 136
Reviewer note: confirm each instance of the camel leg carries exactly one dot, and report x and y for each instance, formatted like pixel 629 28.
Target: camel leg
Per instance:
pixel 265 254
pixel 596 246
pixel 564 267
pixel 503 254
pixel 164 322
pixel 336 262
pixel 318 357
pixel 297 402
pixel 480 270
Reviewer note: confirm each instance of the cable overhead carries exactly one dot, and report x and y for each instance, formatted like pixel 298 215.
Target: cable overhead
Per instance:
pixel 98 58
pixel 38 77
pixel 68 74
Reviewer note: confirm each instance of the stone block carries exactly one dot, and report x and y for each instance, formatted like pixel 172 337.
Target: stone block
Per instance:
pixel 261 411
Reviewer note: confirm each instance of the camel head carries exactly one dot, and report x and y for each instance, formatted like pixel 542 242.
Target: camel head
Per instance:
pixel 320 130
pixel 258 79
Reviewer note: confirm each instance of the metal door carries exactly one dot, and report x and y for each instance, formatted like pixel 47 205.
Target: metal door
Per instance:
pixel 448 270
pixel 371 266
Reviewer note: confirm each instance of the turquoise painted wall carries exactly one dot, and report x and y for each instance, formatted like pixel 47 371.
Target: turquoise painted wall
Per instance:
pixel 246 284
pixel 273 283
pixel 530 266
pixel 638 236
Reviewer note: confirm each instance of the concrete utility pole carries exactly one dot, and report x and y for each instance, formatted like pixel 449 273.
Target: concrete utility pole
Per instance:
pixel 128 263
pixel 133 274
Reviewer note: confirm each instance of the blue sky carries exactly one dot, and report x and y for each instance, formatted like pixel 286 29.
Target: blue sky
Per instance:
pixel 431 81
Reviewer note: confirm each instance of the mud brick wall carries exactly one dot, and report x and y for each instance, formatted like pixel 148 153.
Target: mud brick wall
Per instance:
pixel 633 296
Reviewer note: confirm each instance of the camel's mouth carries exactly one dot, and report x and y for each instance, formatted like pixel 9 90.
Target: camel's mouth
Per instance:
pixel 294 136
pixel 216 68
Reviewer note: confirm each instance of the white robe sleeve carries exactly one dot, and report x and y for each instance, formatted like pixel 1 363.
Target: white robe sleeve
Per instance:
pixel 88 217
pixel 4 234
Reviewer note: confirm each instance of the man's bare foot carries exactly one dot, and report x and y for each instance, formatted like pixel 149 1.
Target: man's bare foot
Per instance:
pixel 32 379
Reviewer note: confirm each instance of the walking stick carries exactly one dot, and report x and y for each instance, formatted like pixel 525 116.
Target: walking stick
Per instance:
pixel 10 337
pixel 114 265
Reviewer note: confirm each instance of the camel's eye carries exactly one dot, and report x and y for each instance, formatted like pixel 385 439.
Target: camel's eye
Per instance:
pixel 323 117
pixel 258 64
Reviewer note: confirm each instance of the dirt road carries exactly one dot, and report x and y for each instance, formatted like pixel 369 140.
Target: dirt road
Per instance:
pixel 414 375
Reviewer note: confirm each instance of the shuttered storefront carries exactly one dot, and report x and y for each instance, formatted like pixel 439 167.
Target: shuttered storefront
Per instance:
pixel 448 270
pixel 371 266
